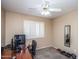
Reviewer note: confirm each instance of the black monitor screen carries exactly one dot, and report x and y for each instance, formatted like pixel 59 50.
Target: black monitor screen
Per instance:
pixel 19 37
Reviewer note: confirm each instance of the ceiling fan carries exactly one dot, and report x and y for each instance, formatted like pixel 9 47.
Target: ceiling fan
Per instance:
pixel 45 8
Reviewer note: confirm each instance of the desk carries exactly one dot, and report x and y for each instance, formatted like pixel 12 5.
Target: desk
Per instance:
pixel 7 54
pixel 23 55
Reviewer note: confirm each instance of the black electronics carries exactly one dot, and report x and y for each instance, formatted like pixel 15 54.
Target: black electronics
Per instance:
pixel 19 42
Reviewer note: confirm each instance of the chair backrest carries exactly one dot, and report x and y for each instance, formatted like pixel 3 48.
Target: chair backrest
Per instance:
pixel 12 45
pixel 34 44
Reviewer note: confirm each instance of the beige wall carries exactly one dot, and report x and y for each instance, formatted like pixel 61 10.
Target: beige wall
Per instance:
pixel 14 25
pixel 58 31
pixel 2 27
pixel 54 31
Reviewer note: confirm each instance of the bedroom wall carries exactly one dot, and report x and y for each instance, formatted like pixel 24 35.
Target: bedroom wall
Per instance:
pixel 58 31
pixel 14 25
pixel 2 27
pixel 54 30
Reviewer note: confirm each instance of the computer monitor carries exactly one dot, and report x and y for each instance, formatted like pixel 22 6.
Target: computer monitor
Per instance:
pixel 19 37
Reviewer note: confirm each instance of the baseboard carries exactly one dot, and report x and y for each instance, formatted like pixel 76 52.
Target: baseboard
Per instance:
pixel 43 47
pixel 55 47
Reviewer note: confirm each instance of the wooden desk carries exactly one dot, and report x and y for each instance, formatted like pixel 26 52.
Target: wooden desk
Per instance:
pixel 23 55
pixel 7 54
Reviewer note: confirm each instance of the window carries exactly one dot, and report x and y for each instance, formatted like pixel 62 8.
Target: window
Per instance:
pixel 33 29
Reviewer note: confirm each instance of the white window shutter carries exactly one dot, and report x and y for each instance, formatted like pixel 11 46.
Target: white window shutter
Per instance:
pixel 33 29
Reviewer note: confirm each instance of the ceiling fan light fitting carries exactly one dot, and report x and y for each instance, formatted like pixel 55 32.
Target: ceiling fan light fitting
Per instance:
pixel 45 13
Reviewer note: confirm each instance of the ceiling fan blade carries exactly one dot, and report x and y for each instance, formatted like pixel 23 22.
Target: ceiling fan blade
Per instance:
pixel 35 7
pixel 55 9
pixel 32 8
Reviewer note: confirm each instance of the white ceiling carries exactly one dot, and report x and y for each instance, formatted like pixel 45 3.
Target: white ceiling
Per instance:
pixel 22 6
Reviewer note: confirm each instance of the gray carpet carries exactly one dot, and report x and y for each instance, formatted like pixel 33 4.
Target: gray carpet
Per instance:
pixel 49 53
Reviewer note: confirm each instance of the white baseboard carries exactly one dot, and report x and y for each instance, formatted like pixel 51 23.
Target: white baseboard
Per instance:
pixel 55 47
pixel 43 47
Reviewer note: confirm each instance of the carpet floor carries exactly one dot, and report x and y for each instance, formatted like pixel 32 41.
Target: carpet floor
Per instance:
pixel 49 53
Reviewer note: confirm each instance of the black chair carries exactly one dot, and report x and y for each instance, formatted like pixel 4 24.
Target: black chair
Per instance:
pixel 34 44
pixel 33 49
pixel 2 49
